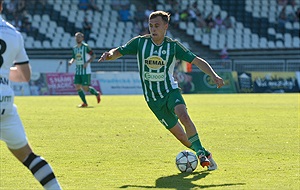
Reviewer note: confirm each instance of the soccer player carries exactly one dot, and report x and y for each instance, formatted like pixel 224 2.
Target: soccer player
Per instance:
pixel 156 55
pixel 83 55
pixel 12 132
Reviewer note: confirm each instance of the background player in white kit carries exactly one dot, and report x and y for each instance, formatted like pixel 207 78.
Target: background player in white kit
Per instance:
pixel 12 52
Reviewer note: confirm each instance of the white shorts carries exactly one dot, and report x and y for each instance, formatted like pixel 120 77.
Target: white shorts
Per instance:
pixel 12 130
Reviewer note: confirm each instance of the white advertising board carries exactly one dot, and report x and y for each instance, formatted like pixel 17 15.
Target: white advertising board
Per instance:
pixel 119 82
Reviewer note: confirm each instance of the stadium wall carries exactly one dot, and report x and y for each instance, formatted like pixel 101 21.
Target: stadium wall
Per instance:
pixel 113 83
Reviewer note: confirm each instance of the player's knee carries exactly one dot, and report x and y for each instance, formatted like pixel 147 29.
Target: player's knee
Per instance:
pixel 184 118
pixel 86 88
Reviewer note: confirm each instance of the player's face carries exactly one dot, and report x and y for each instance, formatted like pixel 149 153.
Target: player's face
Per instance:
pixel 79 38
pixel 157 28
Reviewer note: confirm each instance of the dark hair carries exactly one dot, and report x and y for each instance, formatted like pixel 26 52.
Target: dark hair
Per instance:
pixel 164 15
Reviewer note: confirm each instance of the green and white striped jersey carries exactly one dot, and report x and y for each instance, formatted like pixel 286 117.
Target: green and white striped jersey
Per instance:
pixel 81 55
pixel 156 63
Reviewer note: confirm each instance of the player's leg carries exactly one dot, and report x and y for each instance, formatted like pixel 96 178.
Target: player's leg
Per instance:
pixel 78 87
pixel 190 129
pixel 13 134
pixel 38 166
pixel 177 105
pixel 193 137
pixel 88 88
pixel 81 95
pixel 180 135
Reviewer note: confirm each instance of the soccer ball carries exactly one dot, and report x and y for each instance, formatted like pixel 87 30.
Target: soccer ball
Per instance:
pixel 186 161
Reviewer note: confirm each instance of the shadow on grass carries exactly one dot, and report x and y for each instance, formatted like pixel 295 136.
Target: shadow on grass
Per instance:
pixel 182 181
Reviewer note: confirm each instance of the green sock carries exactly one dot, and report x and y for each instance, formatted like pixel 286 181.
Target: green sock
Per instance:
pixel 206 152
pixel 82 96
pixel 196 144
pixel 93 91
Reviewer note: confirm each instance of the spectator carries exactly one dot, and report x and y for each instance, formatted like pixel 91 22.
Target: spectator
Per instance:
pixel 11 7
pixel 218 23
pixel 291 17
pixel 176 19
pixel 26 26
pixel 145 29
pixel 115 4
pixel 21 6
pixel 224 53
pixel 174 4
pixel 93 5
pixel 148 11
pixel 139 16
pixel 282 18
pixel 43 2
pixel 184 15
pixel 17 22
pixel 192 15
pixel 83 5
pixel 292 2
pixel 209 22
pixel 298 14
pixel 124 14
pixel 227 22
pixel 87 28
pixel 24 15
pixel 200 22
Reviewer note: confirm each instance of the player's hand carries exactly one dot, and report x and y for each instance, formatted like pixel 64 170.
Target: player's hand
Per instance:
pixel 70 63
pixel 219 81
pixel 104 56
pixel 85 65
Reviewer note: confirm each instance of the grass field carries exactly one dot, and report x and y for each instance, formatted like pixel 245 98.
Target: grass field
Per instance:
pixel 119 144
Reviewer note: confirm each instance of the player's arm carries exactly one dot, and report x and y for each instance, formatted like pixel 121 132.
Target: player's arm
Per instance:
pixel 111 55
pixel 21 72
pixel 71 61
pixel 91 59
pixel 206 68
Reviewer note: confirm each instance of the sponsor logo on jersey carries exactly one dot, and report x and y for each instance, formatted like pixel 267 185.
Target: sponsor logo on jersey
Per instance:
pixel 78 56
pixel 5 99
pixel 4 81
pixel 154 62
pixel 154 77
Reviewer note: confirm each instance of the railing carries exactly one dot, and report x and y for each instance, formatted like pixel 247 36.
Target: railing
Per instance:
pixel 239 65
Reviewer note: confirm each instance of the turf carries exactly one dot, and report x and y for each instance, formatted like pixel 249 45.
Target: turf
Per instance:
pixel 119 144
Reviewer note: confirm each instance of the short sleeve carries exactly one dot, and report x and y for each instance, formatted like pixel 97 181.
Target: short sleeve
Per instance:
pixel 131 47
pixel 21 56
pixel 89 50
pixel 182 53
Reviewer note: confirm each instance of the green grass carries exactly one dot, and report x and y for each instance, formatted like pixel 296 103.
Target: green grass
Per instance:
pixel 119 144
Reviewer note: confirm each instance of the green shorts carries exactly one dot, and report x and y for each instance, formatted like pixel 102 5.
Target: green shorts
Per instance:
pixel 164 108
pixel 84 80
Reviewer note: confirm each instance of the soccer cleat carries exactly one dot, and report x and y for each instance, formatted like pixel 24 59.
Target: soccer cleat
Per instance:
pixel 203 161
pixel 98 97
pixel 213 165
pixel 83 105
